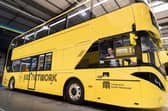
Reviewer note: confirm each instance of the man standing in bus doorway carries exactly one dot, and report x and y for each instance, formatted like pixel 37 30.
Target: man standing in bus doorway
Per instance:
pixel 110 55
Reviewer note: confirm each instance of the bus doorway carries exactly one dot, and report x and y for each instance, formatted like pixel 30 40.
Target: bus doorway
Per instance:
pixel 33 74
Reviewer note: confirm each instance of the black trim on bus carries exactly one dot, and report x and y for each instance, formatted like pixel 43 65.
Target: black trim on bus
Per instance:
pixel 141 65
pixel 152 78
pixel 119 80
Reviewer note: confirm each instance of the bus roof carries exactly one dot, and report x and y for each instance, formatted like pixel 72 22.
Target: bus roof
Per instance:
pixel 66 13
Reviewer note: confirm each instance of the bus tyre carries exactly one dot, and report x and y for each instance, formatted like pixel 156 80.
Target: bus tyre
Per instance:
pixel 12 84
pixel 74 92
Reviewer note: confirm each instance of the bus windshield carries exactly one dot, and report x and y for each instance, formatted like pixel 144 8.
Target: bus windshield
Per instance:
pixel 116 51
pixel 150 51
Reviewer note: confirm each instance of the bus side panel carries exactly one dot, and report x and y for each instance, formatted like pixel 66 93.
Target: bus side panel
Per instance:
pixel 151 94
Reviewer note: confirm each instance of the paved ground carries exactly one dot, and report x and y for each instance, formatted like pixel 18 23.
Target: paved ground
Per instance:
pixel 26 101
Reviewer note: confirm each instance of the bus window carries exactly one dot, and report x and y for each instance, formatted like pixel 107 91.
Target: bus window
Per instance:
pixel 48 61
pixel 101 7
pixel 25 64
pixel 91 58
pixel 9 62
pixel 117 52
pixel 34 62
pixel 18 42
pixel 41 63
pixel 79 15
pixel 42 32
pixel 57 24
pixel 148 46
pixel 29 38
pixel 16 66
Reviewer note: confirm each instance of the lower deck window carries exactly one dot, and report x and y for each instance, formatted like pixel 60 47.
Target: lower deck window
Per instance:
pixel 41 62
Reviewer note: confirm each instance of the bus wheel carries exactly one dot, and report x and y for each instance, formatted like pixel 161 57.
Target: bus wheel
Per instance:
pixel 74 92
pixel 11 84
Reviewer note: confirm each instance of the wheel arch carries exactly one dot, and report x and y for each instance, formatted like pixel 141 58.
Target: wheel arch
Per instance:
pixel 10 80
pixel 67 81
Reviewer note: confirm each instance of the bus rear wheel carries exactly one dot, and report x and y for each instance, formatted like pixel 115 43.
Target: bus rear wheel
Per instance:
pixel 74 92
pixel 11 84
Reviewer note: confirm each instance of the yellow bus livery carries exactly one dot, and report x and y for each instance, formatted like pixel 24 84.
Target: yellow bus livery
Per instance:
pixel 105 56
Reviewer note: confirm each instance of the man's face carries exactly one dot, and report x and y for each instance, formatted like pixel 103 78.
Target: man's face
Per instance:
pixel 110 51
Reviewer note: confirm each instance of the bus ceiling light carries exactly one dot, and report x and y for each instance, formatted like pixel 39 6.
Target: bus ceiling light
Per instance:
pixel 84 11
pixel 156 3
pixel 160 8
pixel 99 3
pixel 45 28
pixel 160 27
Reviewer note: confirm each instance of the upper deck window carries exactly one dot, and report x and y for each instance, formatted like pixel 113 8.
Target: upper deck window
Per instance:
pixel 29 38
pixel 18 42
pixel 79 15
pixel 86 11
pixel 42 32
pixel 57 24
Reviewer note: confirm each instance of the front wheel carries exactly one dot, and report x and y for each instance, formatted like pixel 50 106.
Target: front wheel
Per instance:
pixel 74 92
pixel 11 84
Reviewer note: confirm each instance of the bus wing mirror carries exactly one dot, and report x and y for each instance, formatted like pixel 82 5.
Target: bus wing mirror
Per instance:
pixel 133 38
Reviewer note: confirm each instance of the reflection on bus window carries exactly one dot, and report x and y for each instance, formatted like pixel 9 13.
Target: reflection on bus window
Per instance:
pixel 148 48
pixel 116 52
pixel 91 58
pixel 29 38
pixel 41 63
pixel 16 66
pixel 25 65
pixel 34 64
pixel 42 32
pixel 79 15
pixel 18 42
pixel 48 59
pixel 58 24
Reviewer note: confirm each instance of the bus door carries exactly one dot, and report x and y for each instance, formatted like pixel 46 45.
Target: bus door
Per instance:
pixel 32 73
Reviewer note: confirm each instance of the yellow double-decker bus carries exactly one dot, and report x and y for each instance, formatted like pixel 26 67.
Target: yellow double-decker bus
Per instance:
pixel 93 52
